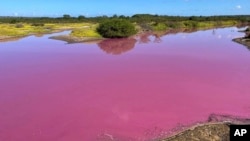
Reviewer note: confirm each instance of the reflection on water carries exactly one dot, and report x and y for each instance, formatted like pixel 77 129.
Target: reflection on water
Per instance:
pixel 146 37
pixel 9 39
pixel 117 46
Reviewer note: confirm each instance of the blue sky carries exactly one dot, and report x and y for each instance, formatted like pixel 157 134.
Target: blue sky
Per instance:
pixel 123 7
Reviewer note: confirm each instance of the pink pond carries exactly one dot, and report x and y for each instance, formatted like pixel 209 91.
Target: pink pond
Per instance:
pixel 124 90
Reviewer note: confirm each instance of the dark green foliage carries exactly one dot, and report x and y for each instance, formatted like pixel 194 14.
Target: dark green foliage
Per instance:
pixel 138 18
pixel 174 25
pixel 191 24
pixel 115 16
pixel 66 16
pixel 116 28
pixel 13 21
pixel 81 17
pixel 159 27
pixel 145 21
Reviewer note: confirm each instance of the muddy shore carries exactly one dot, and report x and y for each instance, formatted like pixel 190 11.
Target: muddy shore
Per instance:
pixel 217 128
pixel 15 38
pixel 243 41
pixel 205 132
pixel 72 39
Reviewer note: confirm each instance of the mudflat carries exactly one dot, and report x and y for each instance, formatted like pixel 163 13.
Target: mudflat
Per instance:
pixel 204 132
pixel 244 40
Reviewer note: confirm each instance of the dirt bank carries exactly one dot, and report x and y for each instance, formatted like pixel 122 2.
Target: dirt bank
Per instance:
pixel 217 128
pixel 8 38
pixel 72 39
pixel 244 40
pixel 205 132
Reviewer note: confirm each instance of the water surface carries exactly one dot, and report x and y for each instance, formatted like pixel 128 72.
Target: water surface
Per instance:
pixel 129 89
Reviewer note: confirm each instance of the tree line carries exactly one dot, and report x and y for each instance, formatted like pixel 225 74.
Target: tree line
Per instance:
pixel 138 18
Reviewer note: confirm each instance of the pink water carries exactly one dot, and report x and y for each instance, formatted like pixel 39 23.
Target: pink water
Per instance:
pixel 53 91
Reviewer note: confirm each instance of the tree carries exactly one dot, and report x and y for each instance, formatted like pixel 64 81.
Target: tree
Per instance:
pixel 66 16
pixel 116 28
pixel 81 17
pixel 122 17
pixel 115 16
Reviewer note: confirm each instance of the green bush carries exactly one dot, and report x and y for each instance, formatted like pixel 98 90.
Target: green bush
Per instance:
pixel 159 27
pixel 116 28
pixel 190 24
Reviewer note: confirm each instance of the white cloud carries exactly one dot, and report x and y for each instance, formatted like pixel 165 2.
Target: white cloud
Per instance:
pixel 238 7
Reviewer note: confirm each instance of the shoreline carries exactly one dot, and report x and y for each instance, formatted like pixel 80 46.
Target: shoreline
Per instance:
pixel 216 128
pixel 7 38
pixel 243 41
pixel 203 132
pixel 71 39
pixel 74 39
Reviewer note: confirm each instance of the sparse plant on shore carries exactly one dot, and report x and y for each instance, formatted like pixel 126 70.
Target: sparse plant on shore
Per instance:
pixel 19 25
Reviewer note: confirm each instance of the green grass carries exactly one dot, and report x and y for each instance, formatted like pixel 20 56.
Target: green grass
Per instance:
pixel 86 31
pixel 89 29
pixel 159 27
pixel 15 30
pixel 191 25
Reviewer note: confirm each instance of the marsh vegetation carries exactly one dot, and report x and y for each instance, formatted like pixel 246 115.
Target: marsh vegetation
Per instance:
pixel 114 26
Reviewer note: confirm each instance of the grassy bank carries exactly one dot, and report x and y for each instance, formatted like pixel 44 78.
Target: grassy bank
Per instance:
pixel 88 30
pixel 154 26
pixel 16 27
pixel 25 29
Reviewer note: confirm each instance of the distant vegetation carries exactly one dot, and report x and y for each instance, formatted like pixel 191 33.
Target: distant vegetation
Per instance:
pixel 138 18
pixel 116 28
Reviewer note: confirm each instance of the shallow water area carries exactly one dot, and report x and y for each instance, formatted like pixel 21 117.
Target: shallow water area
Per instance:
pixel 134 89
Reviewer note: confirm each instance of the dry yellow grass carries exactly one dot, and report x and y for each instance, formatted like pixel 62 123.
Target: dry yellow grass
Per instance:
pixel 24 29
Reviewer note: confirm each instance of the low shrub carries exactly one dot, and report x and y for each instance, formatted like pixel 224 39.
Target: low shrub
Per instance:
pixel 116 28
pixel 19 25
pixel 159 27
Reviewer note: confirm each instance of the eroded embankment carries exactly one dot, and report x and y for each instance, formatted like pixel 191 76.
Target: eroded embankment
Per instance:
pixel 244 40
pixel 216 128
